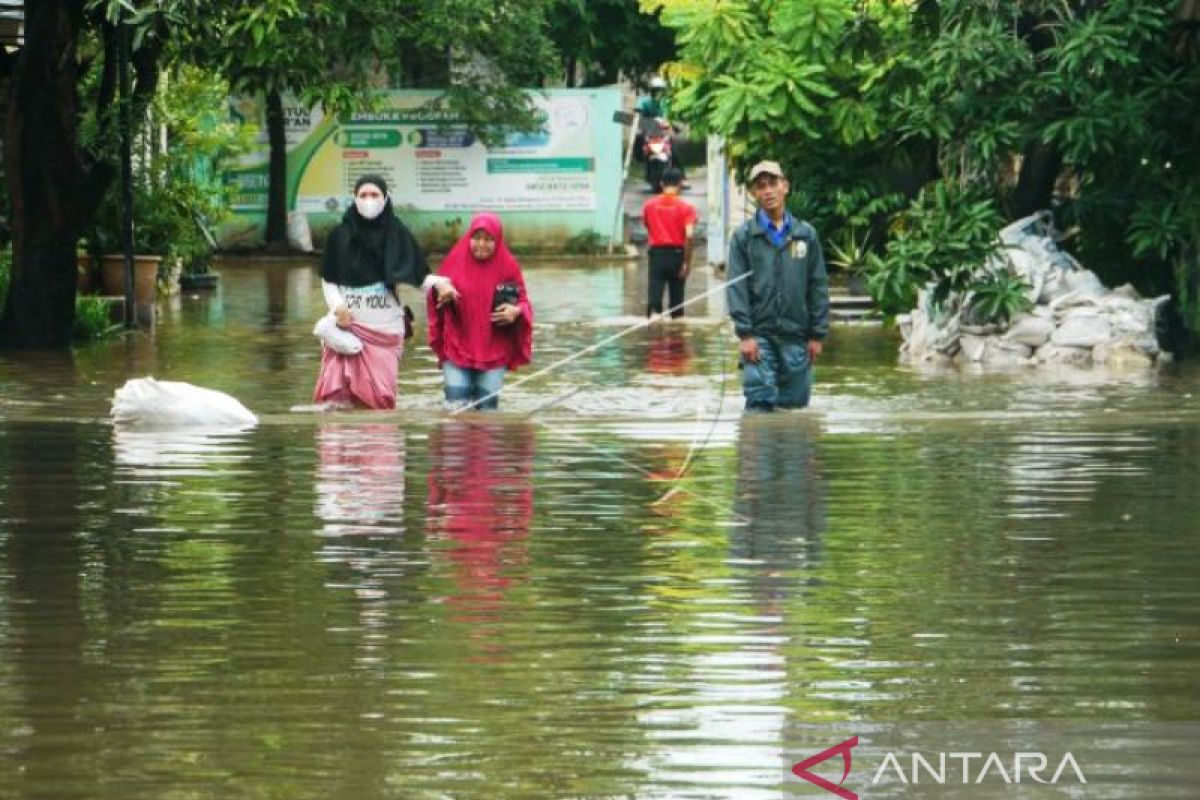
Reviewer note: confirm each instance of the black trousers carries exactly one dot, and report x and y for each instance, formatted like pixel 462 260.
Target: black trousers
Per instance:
pixel 665 263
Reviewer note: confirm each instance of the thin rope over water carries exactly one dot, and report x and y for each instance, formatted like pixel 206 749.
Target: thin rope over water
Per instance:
pixel 695 446
pixel 596 346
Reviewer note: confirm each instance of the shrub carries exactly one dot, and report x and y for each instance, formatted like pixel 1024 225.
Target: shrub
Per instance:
pixel 586 243
pixel 93 318
pixel 943 237
pixel 999 297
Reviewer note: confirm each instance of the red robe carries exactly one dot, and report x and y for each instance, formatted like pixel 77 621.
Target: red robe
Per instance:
pixel 462 332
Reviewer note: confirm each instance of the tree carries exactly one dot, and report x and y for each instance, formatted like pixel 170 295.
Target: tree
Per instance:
pixel 337 54
pixel 1091 107
pixel 58 139
pixel 601 40
pixel 55 181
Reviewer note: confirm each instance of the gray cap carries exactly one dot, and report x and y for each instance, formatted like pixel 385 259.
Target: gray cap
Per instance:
pixel 766 168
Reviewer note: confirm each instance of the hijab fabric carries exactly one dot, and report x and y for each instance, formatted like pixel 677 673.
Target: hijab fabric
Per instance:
pixel 462 332
pixel 361 251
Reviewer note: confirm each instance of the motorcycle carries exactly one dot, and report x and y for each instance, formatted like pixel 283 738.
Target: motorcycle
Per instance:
pixel 656 151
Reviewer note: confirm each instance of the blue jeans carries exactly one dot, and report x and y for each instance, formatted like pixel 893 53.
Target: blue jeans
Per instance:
pixel 782 377
pixel 465 386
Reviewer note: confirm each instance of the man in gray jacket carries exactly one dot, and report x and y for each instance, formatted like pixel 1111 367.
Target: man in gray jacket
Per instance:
pixel 781 312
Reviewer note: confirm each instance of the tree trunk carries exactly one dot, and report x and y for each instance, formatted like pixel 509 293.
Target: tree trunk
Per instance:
pixel 1035 186
pixel 276 237
pixel 44 174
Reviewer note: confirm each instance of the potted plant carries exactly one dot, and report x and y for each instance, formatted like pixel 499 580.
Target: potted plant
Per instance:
pixel 850 254
pixel 105 242
pixel 195 245
pixel 178 192
pixel 171 238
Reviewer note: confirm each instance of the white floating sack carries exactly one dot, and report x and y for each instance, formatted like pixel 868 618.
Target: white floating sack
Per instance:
pixel 146 402
pixel 1026 267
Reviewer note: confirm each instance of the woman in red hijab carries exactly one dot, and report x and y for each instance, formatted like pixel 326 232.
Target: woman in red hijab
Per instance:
pixel 485 327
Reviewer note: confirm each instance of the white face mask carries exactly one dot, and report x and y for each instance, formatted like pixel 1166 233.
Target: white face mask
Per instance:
pixel 369 207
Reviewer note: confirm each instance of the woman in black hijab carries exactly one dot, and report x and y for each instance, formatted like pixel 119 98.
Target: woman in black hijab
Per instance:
pixel 367 256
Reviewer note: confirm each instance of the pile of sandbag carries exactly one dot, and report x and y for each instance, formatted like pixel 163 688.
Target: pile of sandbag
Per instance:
pixel 1074 320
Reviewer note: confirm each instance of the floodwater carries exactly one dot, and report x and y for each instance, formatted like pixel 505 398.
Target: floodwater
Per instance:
pixel 613 588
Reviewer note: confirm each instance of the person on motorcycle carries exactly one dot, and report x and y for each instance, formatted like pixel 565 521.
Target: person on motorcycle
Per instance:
pixel 653 111
pixel 654 105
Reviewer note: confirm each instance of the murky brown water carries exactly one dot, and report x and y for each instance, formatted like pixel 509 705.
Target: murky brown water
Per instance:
pixel 404 605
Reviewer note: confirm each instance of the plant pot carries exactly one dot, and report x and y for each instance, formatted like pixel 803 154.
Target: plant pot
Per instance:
pixel 145 282
pixel 85 274
pixel 168 277
pixel 198 281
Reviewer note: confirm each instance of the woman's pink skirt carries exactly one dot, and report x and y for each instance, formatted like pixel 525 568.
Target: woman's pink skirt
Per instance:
pixel 364 379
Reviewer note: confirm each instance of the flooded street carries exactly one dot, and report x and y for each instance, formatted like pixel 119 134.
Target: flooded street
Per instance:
pixel 616 587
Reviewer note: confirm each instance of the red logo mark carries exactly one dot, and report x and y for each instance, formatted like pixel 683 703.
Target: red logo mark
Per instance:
pixel 801 770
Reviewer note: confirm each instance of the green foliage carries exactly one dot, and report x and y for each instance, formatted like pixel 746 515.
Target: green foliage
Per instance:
pixel 586 243
pixel 178 195
pixel 93 318
pixel 893 282
pixel 1187 289
pixel 605 39
pixel 999 297
pixel 943 237
pixel 339 53
pixel 1162 226
pixel 871 101
pixel 850 252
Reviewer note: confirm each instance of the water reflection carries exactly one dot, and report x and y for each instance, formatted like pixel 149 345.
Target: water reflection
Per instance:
pixel 141 454
pixel 743 659
pixel 669 351
pixel 43 684
pixel 479 510
pixel 360 479
pixel 340 607
pixel 780 502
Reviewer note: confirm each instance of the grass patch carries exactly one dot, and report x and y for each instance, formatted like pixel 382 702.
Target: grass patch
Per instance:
pixel 586 243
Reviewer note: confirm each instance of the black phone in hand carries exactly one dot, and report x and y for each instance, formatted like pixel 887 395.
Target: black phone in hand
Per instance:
pixel 507 293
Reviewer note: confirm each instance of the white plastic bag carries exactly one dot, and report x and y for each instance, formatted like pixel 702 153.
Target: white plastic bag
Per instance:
pixel 339 340
pixel 145 402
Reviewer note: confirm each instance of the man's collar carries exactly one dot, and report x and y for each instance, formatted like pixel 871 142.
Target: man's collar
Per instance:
pixel 787 224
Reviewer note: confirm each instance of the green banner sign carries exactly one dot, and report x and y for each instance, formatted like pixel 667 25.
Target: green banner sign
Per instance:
pixel 507 166
pixel 356 137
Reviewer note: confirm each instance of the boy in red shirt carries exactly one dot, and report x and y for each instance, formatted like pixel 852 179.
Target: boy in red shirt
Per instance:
pixel 670 221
